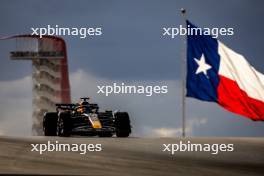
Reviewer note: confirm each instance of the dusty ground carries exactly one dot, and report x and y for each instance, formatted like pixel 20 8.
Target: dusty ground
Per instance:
pixel 131 156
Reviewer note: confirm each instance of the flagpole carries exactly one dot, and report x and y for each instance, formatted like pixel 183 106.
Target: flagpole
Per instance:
pixel 183 69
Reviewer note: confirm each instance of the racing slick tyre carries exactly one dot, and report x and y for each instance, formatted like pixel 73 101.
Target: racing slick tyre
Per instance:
pixel 64 124
pixel 50 123
pixel 122 124
pixel 105 134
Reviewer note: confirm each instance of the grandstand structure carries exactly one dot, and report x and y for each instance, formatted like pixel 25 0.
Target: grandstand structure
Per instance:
pixel 50 75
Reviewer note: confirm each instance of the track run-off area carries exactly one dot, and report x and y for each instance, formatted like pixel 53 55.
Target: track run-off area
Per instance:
pixel 130 156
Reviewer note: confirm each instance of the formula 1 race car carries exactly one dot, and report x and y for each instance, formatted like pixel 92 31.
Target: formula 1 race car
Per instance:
pixel 85 119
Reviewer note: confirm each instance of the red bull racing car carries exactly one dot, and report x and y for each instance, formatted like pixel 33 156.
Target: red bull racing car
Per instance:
pixel 84 118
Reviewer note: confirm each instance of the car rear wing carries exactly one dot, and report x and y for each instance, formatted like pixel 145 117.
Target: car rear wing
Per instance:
pixel 69 107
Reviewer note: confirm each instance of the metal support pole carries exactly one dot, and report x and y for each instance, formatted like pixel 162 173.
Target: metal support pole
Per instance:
pixel 183 69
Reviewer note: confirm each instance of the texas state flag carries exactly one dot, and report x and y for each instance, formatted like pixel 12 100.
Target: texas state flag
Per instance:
pixel 218 74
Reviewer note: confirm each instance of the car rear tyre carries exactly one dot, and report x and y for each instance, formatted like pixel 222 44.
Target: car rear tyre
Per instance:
pixel 50 123
pixel 122 124
pixel 64 124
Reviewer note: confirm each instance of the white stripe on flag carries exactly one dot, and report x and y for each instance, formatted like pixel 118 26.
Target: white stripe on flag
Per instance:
pixel 235 67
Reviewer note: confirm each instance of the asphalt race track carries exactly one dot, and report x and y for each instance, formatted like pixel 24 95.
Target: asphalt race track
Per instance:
pixel 131 156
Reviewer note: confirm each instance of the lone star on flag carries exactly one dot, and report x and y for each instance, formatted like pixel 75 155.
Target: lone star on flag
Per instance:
pixel 202 66
pixel 234 84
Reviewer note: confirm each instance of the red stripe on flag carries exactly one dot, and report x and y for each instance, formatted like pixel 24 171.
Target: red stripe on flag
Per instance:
pixel 232 98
